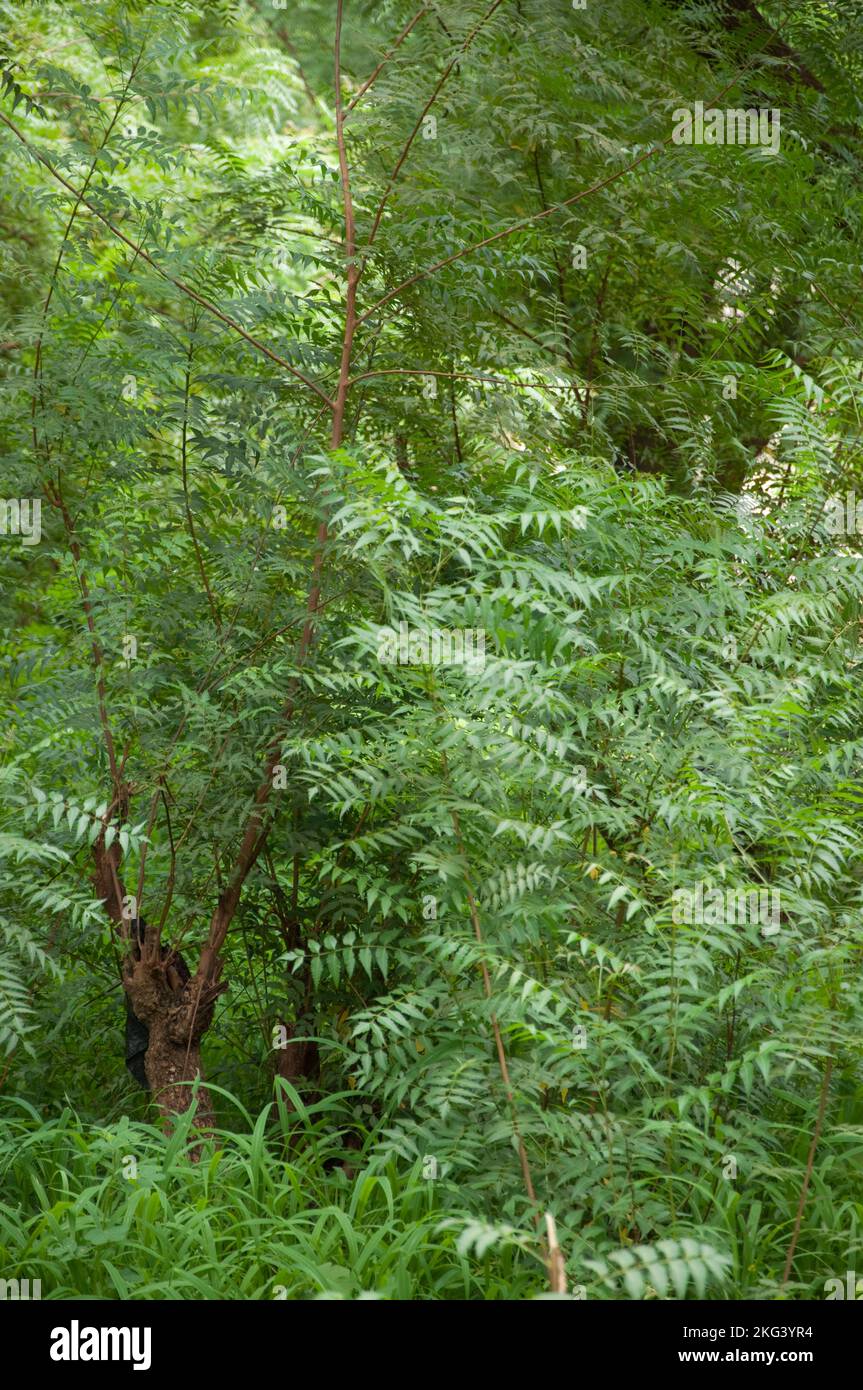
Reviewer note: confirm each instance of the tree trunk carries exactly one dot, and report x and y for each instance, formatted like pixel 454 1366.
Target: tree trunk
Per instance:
pixel 170 1068
pixel 177 1014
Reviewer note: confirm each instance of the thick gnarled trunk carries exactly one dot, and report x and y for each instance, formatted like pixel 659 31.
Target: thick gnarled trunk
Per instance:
pixel 171 1069
pixel 177 1014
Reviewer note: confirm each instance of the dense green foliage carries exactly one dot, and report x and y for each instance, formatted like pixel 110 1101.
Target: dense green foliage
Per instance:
pixel 605 437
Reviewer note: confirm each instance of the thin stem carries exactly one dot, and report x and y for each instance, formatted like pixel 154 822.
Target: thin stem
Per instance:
pixel 547 212
pixel 178 284
pixel 185 476
pixel 398 43
pixel 432 99
pixel 810 1163
pixel 257 829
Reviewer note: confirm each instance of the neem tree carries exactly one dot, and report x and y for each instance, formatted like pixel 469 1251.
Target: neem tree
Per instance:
pixel 327 320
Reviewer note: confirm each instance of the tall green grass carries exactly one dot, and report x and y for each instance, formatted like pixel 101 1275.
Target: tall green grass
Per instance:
pixel 264 1211
pixel 276 1206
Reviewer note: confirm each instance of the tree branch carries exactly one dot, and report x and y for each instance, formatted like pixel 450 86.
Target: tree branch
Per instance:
pixel 407 148
pixel 178 284
pixel 256 831
pixel 399 41
pixel 511 230
pixel 547 212
pixel 187 382
pixel 462 376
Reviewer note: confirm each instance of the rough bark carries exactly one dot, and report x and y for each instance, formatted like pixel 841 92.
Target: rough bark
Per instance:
pixel 177 1014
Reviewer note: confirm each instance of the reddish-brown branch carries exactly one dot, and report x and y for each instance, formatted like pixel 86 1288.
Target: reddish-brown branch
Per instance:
pixel 432 99
pixel 398 43
pixel 172 872
pixel 256 829
pixel 107 859
pixel 178 284
pixel 546 212
pixel 107 881
pixel 483 378
pixel 511 230
pixel 210 679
